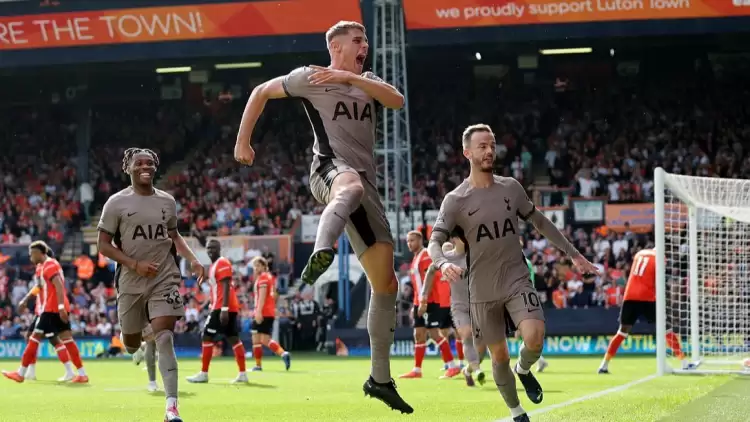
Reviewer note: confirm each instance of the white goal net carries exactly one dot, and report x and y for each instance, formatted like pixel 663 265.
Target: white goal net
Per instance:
pixel 703 273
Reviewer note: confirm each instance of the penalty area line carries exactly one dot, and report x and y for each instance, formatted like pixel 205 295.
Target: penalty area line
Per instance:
pixel 616 389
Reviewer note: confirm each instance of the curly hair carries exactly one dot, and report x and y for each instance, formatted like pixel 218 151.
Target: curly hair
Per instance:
pixel 132 152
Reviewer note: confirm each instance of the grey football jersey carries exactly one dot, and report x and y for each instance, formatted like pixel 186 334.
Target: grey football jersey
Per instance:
pixel 343 119
pixel 138 225
pixel 459 289
pixel 487 219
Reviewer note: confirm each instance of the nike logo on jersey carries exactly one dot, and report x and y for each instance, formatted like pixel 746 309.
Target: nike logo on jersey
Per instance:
pixel 473 212
pixel 332 89
pixel 130 214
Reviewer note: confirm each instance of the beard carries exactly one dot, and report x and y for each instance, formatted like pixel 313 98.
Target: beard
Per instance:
pixel 483 166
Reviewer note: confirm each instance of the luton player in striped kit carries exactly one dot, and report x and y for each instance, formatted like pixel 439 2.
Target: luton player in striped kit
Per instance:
pixel 62 353
pixel 428 315
pixel 53 321
pixel 223 318
pixel 640 301
pixel 265 315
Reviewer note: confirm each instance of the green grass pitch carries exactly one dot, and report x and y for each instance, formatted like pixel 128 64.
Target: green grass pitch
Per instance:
pixel 321 388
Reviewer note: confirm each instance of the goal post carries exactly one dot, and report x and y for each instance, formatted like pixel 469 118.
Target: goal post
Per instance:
pixel 702 231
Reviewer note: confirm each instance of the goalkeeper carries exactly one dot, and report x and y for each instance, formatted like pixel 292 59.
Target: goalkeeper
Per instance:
pixel 541 363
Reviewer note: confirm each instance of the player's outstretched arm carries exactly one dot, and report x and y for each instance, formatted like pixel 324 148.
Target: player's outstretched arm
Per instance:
pixel 528 212
pixel 548 229
pixel 268 90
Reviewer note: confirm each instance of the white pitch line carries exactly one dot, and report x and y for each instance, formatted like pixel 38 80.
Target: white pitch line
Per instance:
pixel 596 395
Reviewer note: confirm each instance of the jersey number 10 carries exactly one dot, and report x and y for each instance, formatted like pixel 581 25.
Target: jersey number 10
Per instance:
pixel 640 265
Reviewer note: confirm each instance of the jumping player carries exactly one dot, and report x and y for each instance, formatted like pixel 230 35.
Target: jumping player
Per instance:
pixel 223 318
pixel 428 315
pixel 53 321
pixel 265 315
pixel 142 222
pixel 341 102
pixel 484 210
pixel 455 252
pixel 640 300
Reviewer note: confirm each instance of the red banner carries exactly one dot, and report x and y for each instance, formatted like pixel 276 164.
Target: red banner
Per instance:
pixel 432 14
pixel 174 23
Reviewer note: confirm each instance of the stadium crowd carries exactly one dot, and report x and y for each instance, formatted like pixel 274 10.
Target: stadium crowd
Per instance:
pixel 592 142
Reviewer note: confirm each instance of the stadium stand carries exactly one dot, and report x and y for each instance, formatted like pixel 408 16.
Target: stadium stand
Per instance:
pixel 579 142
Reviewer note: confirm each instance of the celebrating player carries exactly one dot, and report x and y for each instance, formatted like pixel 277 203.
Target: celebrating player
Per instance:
pixel 53 321
pixel 223 318
pixel 428 315
pixel 640 300
pixel 484 210
pixel 455 252
pixel 340 102
pixel 142 222
pixel 265 314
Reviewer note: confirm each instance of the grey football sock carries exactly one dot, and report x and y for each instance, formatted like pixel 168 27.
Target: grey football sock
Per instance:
pixel 505 381
pixel 167 361
pixel 527 357
pixel 151 360
pixel 470 353
pixel 381 323
pixel 336 213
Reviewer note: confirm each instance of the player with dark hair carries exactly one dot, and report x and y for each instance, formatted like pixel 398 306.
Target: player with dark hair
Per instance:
pixel 53 321
pixel 484 209
pixel 223 318
pixel 142 222
pixel 341 101
pixel 265 315
pixel 428 314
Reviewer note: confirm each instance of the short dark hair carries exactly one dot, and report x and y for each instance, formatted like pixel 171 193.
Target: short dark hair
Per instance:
pixel 341 28
pixel 132 152
pixel 470 130
pixel 40 246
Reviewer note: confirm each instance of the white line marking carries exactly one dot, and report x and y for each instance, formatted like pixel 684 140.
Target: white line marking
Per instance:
pixel 587 397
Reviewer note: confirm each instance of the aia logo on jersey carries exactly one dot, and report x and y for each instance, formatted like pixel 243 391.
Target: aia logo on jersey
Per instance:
pixel 353 112
pixel 150 232
pixel 495 230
